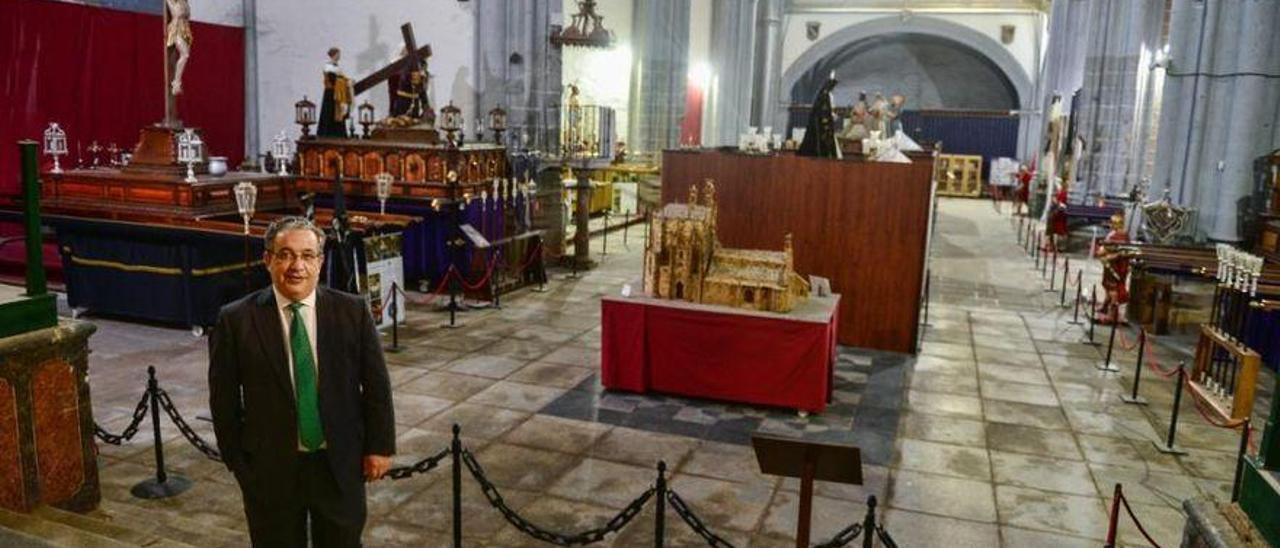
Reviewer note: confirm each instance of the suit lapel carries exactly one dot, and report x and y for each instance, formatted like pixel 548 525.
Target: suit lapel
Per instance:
pixel 266 320
pixel 327 333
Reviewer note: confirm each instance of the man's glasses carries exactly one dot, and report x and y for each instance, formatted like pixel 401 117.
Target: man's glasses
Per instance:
pixel 288 256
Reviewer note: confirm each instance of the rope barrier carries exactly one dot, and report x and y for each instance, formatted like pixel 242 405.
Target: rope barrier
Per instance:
pixel 1126 344
pixel 187 431
pixel 1121 499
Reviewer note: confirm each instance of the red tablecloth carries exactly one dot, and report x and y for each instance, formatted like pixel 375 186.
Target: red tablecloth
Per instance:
pixel 720 353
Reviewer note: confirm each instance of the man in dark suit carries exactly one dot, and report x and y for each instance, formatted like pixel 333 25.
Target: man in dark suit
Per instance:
pixel 300 398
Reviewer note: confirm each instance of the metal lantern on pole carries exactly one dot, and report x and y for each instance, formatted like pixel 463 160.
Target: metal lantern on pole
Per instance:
pixel 246 199
pixel 382 182
pixel 497 123
pixel 55 144
pixel 304 114
pixel 281 149
pixel 190 150
pixel 451 120
pixel 365 113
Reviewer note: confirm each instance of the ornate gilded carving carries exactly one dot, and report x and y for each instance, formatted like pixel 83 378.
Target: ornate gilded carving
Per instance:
pixel 684 260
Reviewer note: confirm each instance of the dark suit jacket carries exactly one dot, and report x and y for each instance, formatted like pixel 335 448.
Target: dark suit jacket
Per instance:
pixel 251 394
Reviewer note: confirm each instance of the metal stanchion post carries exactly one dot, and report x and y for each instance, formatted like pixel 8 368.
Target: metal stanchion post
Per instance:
pixel 1111 343
pixel 1168 447
pixel 455 448
pixel 604 236
pixel 395 318
pixel 869 524
pixel 1035 251
pixel 660 511
pixel 163 485
pixel 1244 447
pixel 1093 319
pixel 1113 520
pixel 1075 308
pixel 1053 271
pixel 1133 397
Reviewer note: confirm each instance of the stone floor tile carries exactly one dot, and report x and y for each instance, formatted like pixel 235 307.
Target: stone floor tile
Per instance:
pixel 604 482
pixel 946 366
pixel 575 355
pixel 551 374
pixel 943 404
pixel 1012 373
pixel 947 350
pixel 724 504
pixel 1163 523
pixel 944 459
pixel 829 516
pixel 1037 416
pixel 1046 474
pixel 515 395
pixel 644 448
pixel 557 434
pixel 1014 537
pixel 1035 394
pixel 995 355
pixel 1054 512
pixel 1106 424
pixel 943 428
pixel 411 409
pixel 1015 438
pixel 943 496
pixel 875 481
pixel 478 422
pixel 485 365
pixel 442 384
pixel 931 381
pixel 916 529
pixel 1145 486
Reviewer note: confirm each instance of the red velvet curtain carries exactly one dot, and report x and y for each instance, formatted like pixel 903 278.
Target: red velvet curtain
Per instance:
pixel 99 74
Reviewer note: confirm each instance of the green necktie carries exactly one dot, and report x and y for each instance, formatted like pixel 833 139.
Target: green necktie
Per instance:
pixel 304 381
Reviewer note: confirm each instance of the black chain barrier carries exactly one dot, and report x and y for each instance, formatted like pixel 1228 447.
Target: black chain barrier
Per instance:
pixel 659 492
pixel 695 522
pixel 421 467
pixel 187 431
pixel 139 413
pixel 843 537
pixel 590 536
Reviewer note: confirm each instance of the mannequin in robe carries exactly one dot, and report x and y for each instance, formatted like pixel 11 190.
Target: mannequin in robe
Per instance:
pixel 820 137
pixel 1115 271
pixel 855 128
pixel 335 107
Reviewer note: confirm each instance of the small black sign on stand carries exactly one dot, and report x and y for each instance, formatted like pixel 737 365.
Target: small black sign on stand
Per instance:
pixel 807 460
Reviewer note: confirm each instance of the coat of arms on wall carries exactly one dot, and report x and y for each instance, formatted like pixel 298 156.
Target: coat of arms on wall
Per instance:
pixel 1163 220
pixel 812 30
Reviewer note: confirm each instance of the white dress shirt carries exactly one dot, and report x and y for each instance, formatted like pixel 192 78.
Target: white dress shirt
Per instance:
pixel 308 311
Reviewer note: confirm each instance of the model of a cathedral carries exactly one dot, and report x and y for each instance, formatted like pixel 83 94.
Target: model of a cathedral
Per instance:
pixel 683 260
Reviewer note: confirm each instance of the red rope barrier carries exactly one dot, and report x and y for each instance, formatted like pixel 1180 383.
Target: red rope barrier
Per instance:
pixel 1125 501
pixel 533 254
pixel 477 285
pixel 1125 343
pixel 431 295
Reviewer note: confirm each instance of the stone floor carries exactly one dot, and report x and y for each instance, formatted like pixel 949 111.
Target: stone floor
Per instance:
pixel 1000 433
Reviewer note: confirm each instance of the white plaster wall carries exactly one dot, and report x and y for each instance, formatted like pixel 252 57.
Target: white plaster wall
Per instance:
pixel 294 36
pixel 1024 47
pixel 602 76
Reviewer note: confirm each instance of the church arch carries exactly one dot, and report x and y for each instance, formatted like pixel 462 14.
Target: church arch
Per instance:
pixel 986 46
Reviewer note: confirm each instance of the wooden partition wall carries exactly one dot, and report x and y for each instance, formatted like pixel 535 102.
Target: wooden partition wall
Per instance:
pixel 864 225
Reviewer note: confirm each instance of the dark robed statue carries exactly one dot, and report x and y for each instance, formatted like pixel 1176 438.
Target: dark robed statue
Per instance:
pixel 820 137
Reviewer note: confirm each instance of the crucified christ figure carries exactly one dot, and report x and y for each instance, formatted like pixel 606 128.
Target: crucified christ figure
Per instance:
pixel 178 36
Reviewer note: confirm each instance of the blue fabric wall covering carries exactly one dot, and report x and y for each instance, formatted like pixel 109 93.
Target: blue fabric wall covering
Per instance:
pixel 991 135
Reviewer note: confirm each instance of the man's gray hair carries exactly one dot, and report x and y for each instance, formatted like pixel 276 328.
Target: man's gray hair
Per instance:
pixel 285 224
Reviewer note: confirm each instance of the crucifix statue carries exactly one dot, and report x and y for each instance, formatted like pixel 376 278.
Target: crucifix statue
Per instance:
pixel 407 78
pixel 177 48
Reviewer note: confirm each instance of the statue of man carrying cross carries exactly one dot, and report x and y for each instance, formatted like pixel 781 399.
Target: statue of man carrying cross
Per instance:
pixel 407 79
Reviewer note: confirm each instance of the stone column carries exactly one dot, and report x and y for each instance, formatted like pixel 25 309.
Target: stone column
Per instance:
pixel 1114 78
pixel 732 53
pixel 519 69
pixel 767 74
pixel 1063 70
pixel 1220 105
pixel 659 75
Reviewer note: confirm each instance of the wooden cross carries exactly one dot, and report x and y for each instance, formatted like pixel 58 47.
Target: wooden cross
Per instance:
pixel 411 59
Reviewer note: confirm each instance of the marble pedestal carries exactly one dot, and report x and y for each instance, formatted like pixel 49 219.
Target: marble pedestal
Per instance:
pixel 46 421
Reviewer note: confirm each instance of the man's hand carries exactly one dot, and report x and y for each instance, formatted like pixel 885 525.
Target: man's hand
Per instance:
pixel 376 466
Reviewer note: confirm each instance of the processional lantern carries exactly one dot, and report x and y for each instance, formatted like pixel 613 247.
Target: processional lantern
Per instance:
pixel 281 148
pixel 55 144
pixel 451 120
pixel 585 29
pixel 382 185
pixel 365 113
pixel 246 199
pixel 497 123
pixel 190 151
pixel 304 114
